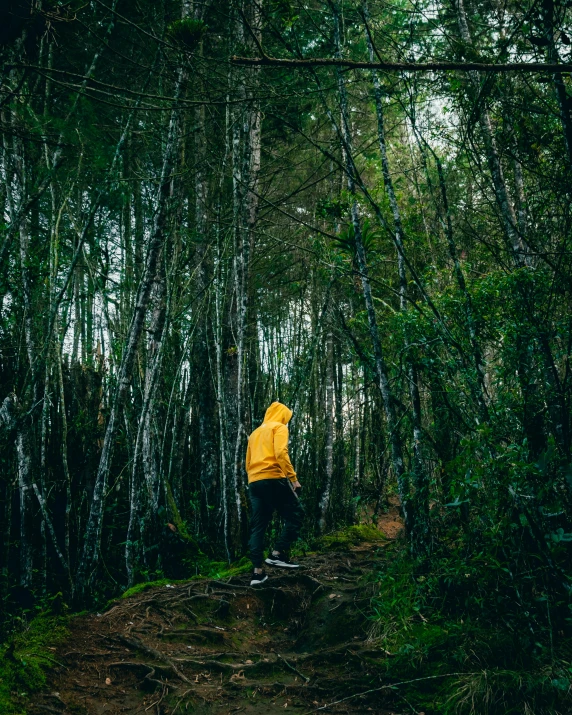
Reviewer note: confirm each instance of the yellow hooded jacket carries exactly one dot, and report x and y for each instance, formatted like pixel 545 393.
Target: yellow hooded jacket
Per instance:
pixel 267 454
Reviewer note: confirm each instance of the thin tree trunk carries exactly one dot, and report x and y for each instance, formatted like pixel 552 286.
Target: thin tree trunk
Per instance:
pixel 329 427
pixel 10 416
pixel 156 241
pixel 339 455
pixel 141 516
pixel 421 538
pixel 479 391
pixel 157 331
pixel 508 215
pixel 64 450
pixel 220 396
pixel 558 78
pixel 246 169
pixel 381 369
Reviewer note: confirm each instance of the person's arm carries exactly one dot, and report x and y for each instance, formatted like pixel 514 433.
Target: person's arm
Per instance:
pixel 281 453
pixel 248 457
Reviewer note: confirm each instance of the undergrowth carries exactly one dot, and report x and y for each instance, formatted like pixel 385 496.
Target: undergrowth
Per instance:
pixel 25 658
pixel 477 643
pixel 476 629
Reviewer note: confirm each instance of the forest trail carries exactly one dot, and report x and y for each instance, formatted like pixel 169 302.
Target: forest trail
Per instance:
pixel 298 643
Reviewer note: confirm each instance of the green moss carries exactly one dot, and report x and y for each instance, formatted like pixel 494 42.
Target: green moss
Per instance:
pixel 350 536
pixel 221 570
pixel 140 587
pixel 366 532
pixel 25 658
pixel 209 569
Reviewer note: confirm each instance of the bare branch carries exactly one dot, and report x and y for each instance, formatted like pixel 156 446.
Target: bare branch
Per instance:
pixel 402 66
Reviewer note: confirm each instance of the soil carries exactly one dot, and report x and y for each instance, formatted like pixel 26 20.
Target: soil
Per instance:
pixel 297 643
pixel 391 523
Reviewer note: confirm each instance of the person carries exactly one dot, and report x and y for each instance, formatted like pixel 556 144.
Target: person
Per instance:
pixel 273 486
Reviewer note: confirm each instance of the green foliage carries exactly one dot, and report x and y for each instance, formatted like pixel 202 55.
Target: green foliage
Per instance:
pixel 346 243
pixel 475 644
pixel 24 659
pixel 222 570
pixel 187 32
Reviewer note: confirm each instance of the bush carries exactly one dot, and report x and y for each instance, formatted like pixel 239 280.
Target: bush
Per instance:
pixel 458 627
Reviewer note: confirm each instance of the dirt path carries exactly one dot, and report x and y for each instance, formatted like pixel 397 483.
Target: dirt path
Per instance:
pixel 296 643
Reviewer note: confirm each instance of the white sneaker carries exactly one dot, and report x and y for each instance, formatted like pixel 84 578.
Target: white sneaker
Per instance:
pixel 258 578
pixel 282 562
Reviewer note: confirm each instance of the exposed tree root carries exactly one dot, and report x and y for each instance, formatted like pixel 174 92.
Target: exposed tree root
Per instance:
pixel 139 645
pixel 299 643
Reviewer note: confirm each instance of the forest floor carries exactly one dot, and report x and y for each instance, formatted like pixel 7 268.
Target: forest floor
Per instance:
pixel 298 642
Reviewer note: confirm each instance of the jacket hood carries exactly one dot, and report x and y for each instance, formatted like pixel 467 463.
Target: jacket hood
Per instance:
pixel 277 412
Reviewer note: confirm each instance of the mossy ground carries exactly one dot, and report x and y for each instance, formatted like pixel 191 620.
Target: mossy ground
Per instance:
pixel 209 569
pixel 350 536
pixel 222 645
pixel 447 635
pixel 25 658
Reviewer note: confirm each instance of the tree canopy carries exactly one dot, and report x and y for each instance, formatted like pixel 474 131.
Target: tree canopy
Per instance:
pixel 359 208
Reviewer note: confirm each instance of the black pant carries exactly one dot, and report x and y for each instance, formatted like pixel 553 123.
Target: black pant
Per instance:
pixel 266 496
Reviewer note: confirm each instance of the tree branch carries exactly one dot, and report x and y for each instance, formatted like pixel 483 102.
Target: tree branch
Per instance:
pixel 402 66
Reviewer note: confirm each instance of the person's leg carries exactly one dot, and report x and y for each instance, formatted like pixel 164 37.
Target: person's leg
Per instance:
pixel 261 513
pixel 291 512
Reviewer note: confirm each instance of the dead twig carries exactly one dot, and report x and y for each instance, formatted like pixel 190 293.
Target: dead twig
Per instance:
pixel 384 687
pixel 292 668
pixel 180 700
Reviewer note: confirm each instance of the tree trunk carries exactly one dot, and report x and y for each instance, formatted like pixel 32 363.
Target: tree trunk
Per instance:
pixel 329 427
pixel 558 78
pixel 420 537
pixel 510 222
pixel 246 168
pixel 381 369
pixel 10 416
pixel 92 538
